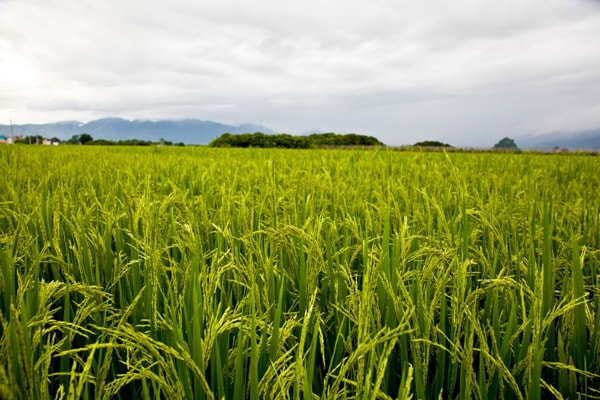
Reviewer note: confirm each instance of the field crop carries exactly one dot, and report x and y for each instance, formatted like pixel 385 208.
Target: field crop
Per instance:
pixel 205 273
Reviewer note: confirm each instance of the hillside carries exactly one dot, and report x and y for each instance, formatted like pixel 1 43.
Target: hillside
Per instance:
pixel 579 140
pixel 189 131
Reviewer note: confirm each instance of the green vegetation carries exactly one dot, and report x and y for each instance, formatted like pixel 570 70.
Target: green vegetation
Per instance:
pixel 89 140
pixel 259 139
pixel 33 139
pixel 431 143
pixel 506 144
pixel 213 273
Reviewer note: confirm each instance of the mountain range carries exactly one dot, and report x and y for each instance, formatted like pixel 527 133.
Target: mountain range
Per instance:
pixel 579 140
pixel 188 131
pixel 194 131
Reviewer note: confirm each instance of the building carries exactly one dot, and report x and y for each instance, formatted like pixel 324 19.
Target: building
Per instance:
pixel 10 139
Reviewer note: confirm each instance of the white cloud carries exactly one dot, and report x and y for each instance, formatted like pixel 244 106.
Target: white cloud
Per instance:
pixel 399 70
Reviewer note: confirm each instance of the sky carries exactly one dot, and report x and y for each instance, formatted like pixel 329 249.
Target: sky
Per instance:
pixel 466 72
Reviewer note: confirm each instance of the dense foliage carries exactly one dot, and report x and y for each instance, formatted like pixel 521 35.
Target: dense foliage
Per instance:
pixel 431 143
pixel 259 139
pixel 208 273
pixel 133 142
pixel 87 139
pixel 506 144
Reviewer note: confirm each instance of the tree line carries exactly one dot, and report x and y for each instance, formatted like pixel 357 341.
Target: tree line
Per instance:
pixel 287 141
pixel 87 139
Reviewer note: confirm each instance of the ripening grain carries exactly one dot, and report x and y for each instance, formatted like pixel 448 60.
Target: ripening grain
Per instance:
pixel 242 273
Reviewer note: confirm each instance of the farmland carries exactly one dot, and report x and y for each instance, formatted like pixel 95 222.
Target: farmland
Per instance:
pixel 259 273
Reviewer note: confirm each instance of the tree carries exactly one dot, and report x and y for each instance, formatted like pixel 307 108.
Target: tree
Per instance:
pixel 506 144
pixel 431 143
pixel 85 138
pixel 74 139
pixel 32 139
pixel 284 140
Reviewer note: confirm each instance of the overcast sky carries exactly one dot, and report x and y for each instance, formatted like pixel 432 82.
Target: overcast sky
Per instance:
pixel 467 72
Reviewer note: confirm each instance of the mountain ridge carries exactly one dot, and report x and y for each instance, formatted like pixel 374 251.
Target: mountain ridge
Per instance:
pixel 188 131
pixel 200 132
pixel 588 139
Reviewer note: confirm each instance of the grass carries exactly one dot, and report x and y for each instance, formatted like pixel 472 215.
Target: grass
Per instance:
pixel 245 273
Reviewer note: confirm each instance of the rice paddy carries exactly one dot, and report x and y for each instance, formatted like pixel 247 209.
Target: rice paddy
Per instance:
pixel 203 273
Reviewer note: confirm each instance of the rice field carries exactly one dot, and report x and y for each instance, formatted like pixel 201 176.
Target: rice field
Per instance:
pixel 203 273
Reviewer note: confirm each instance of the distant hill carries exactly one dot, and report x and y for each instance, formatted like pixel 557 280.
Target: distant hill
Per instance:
pixel 580 140
pixel 189 131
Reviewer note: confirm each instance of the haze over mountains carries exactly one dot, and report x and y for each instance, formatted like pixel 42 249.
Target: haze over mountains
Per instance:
pixel 193 131
pixel 188 131
pixel 583 140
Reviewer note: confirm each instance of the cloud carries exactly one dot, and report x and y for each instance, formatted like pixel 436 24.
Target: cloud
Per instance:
pixel 400 70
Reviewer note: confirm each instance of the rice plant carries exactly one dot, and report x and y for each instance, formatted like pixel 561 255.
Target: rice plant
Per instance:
pixel 206 273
